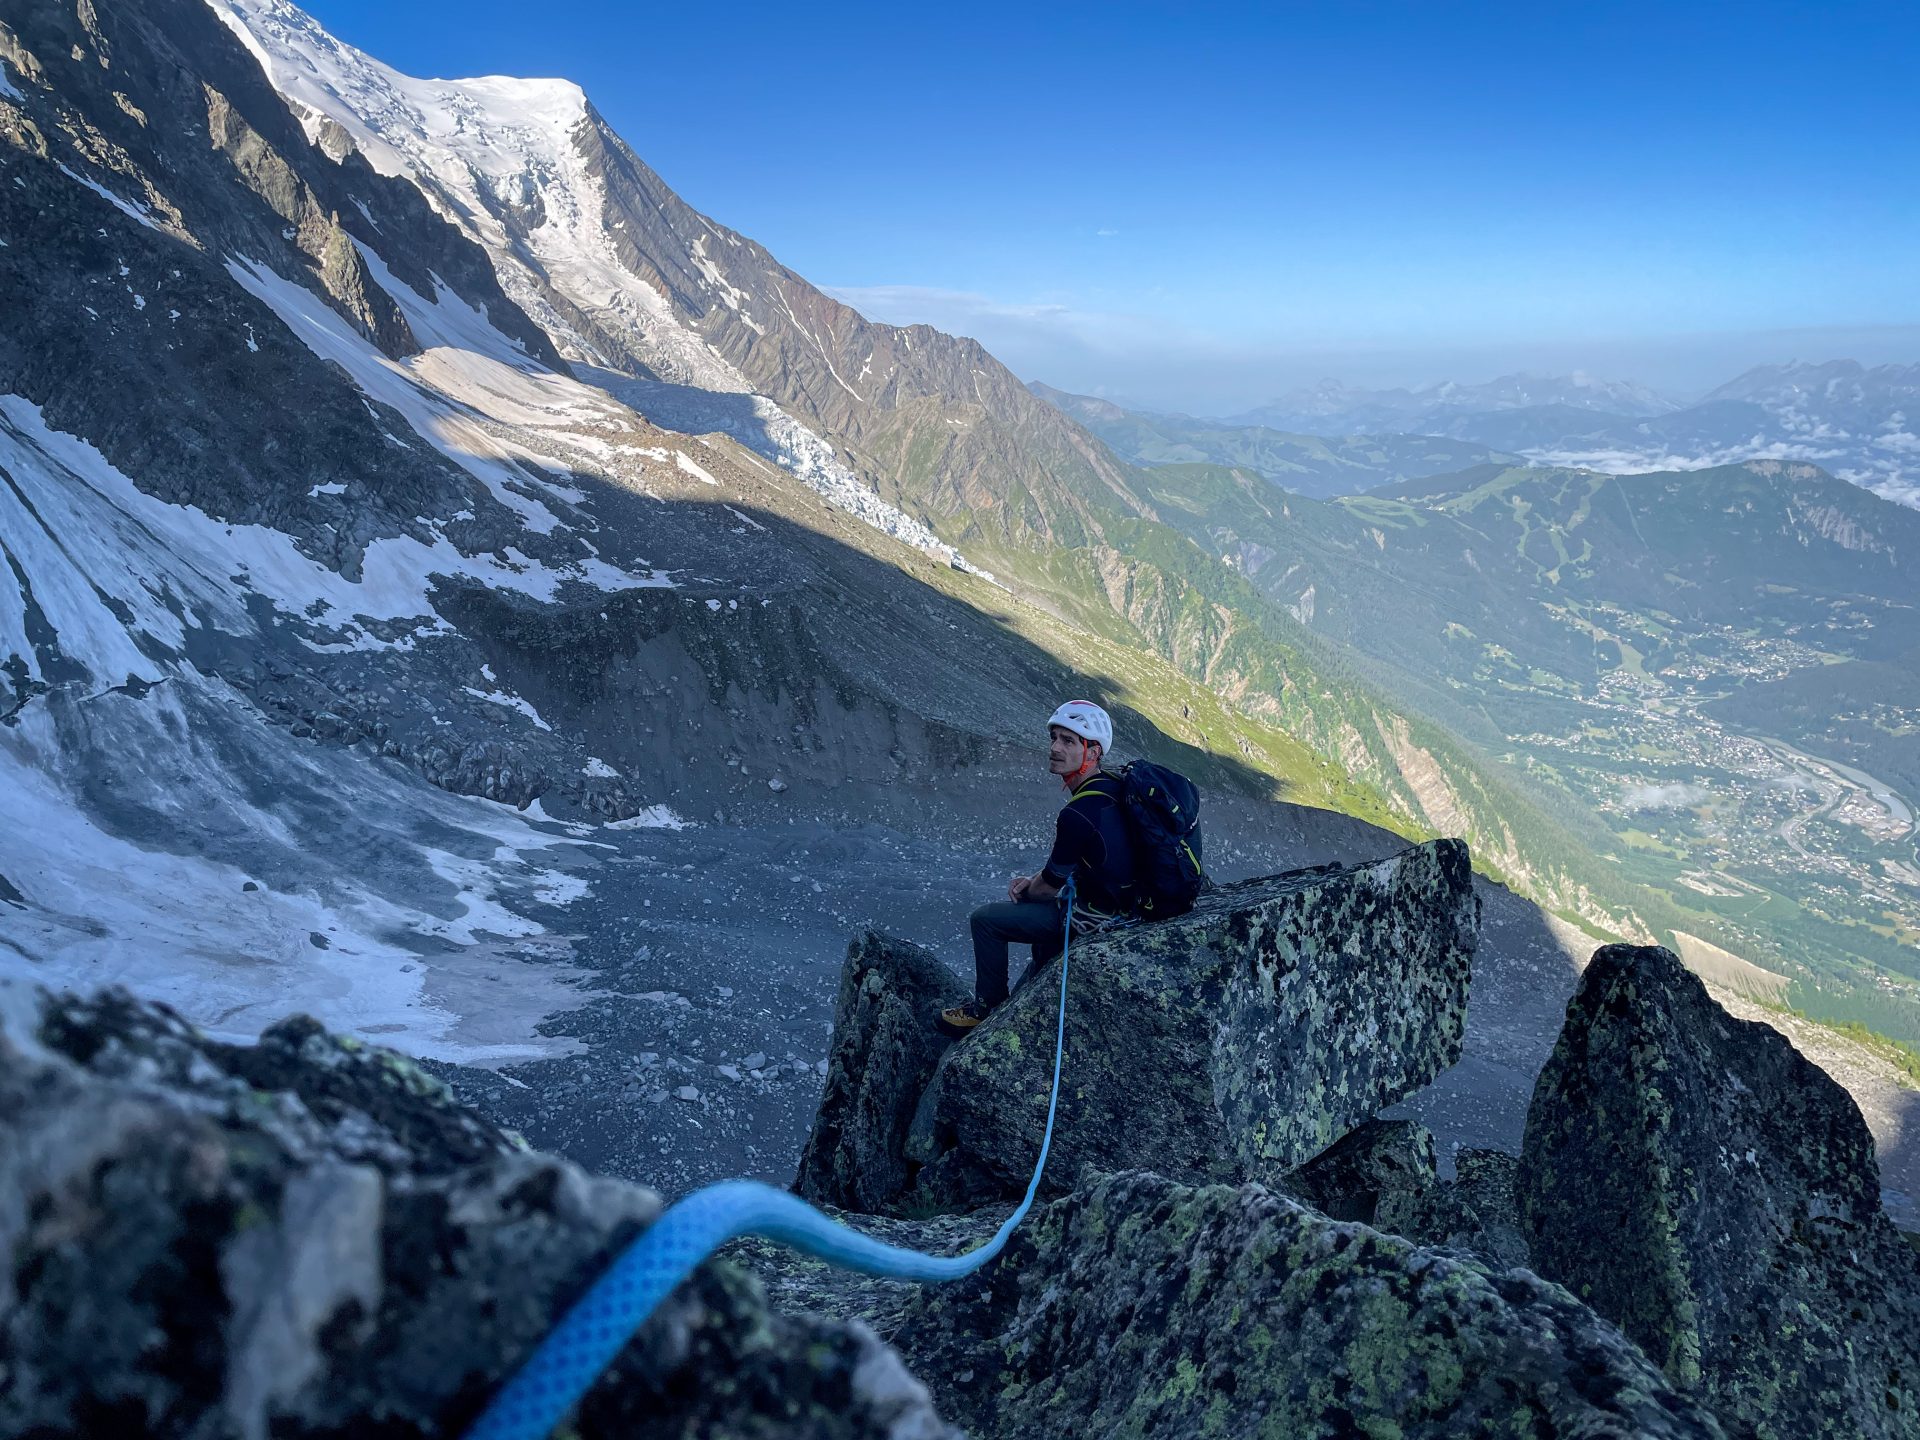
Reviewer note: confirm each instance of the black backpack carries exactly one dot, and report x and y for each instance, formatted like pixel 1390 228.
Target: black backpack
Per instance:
pixel 1163 813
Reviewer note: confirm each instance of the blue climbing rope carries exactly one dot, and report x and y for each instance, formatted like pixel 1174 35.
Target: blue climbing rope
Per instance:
pixel 601 1322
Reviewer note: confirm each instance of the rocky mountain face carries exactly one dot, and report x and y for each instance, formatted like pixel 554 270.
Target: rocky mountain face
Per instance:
pixel 1305 464
pixel 700 327
pixel 318 556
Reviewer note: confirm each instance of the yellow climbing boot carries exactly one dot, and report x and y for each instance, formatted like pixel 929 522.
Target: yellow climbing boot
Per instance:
pixel 960 1020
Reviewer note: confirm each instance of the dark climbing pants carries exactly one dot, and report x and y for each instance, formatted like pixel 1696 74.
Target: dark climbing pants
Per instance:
pixel 1039 923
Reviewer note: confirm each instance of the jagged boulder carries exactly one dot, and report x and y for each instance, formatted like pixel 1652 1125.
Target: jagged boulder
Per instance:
pixel 884 1052
pixel 1143 1307
pixel 1697 1181
pixel 1381 1161
pixel 309 1237
pixel 1232 1043
pixel 1473 1211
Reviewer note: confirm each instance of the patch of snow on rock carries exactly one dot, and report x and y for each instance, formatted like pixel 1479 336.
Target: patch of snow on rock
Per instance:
pixel 691 467
pixel 511 701
pixel 126 207
pixel 654 817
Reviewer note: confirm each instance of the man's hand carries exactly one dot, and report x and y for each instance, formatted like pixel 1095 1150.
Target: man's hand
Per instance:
pixel 1017 887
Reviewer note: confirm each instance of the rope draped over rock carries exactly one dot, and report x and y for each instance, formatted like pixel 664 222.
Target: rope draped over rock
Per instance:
pixel 598 1326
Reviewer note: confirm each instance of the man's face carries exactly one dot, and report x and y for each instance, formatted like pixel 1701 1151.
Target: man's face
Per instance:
pixel 1066 751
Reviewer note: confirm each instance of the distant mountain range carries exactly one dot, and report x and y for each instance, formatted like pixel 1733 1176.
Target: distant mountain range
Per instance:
pixel 1331 408
pixel 1322 466
pixel 1860 424
pixel 1722 663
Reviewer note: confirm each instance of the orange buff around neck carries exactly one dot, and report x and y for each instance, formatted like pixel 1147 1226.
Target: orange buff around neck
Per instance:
pixel 1072 780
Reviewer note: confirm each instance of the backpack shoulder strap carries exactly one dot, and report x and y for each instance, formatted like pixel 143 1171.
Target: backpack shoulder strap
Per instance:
pixel 1112 789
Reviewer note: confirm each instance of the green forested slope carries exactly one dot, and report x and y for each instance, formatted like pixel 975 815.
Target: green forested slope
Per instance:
pixel 1633 651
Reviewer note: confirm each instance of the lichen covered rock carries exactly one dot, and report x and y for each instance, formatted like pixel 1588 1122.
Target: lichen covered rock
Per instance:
pixel 1143 1307
pixel 1233 1043
pixel 885 1048
pixel 1383 1160
pixel 1697 1181
pixel 1474 1211
pixel 309 1237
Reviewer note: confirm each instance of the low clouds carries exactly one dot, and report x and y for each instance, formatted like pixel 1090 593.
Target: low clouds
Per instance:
pixel 1614 461
pixel 1898 489
pixel 1891 476
pixel 1663 797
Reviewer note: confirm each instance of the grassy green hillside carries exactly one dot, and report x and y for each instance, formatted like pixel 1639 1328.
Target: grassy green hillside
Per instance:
pixel 1084 539
pixel 1704 677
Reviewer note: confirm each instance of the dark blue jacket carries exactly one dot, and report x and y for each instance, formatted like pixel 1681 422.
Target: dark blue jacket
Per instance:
pixel 1091 843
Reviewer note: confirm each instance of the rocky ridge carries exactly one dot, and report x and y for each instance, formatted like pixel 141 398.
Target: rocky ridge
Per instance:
pixel 1242 1058
pixel 308 1233
pixel 1781 1294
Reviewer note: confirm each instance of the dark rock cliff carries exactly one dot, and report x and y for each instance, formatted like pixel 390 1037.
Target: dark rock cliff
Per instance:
pixel 1700 1183
pixel 159 106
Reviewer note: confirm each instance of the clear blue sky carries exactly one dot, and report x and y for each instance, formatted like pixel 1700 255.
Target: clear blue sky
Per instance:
pixel 1198 206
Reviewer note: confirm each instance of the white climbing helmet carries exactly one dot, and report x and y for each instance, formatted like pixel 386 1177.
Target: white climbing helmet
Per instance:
pixel 1087 720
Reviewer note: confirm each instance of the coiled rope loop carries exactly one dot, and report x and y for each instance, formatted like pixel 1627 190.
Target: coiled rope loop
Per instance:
pixel 589 1336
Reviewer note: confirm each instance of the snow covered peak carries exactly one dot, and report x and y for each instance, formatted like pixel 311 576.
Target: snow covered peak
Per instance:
pixel 1766 383
pixel 503 160
pixel 1581 390
pixel 488 143
pixel 583 238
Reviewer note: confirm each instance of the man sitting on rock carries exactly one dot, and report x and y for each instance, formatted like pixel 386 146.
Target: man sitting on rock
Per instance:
pixel 1091 845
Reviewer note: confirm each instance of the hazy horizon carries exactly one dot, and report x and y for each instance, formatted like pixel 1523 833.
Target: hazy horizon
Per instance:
pixel 1056 348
